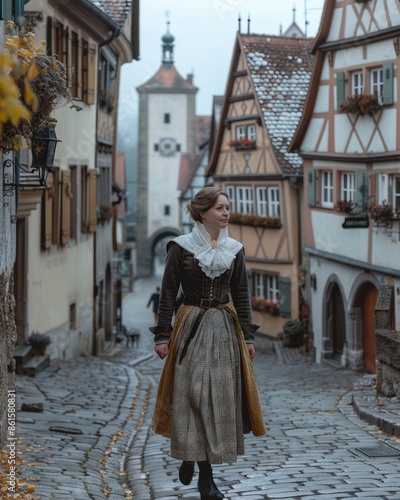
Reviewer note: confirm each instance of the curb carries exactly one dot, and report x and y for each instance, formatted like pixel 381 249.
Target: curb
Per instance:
pixel 374 409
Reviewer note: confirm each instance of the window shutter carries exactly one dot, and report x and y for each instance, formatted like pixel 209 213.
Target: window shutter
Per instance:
pixel 49 35
pixel 388 86
pixel 47 214
pixel 91 75
pixel 340 88
pixel 92 200
pixel 362 189
pixel 285 289
pixel 66 207
pixel 311 187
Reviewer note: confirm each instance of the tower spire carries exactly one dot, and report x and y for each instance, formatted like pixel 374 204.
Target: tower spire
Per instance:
pixel 168 47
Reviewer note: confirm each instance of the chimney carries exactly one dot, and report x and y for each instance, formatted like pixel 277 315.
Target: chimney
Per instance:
pixel 190 78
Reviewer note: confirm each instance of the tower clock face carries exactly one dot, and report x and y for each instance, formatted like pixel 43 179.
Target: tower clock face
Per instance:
pixel 167 147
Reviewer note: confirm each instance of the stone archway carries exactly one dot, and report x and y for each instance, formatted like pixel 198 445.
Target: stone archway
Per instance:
pixel 145 262
pixel 334 322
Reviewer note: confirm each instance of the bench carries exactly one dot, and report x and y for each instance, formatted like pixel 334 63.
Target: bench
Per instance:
pixel 132 335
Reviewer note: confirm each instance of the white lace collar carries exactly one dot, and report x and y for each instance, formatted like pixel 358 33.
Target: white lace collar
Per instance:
pixel 214 257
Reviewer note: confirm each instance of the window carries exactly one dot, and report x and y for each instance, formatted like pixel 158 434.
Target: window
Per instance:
pixel 230 191
pixel 75 90
pixel 178 147
pixel 155 147
pixel 348 187
pixel 84 200
pixel 167 210
pixel 357 83
pixel 327 189
pixel 377 82
pixel 56 207
pixel 73 204
pixel 104 197
pixel 246 132
pixel 72 316
pixel 85 69
pixel 268 201
pixel 266 286
pixel 167 118
pixel 245 200
pixel 396 193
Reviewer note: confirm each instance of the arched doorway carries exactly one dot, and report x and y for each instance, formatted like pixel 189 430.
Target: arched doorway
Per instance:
pixel 336 321
pixel 158 249
pixel 365 301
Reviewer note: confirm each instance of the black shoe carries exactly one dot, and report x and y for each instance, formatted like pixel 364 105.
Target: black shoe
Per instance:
pixel 186 471
pixel 208 489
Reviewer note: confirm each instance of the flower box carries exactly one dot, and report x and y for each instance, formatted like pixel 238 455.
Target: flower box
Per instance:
pixel 362 104
pixel 345 206
pixel 380 213
pixel 242 144
pixel 255 220
pixel 265 305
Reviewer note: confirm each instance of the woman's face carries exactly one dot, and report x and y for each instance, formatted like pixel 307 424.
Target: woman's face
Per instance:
pixel 217 217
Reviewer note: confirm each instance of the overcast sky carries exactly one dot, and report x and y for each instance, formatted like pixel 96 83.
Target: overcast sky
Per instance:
pixel 204 32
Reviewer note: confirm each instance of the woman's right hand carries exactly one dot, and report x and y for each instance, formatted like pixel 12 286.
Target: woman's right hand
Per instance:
pixel 161 350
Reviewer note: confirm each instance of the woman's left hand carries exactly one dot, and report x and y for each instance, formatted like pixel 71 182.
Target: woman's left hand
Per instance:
pixel 251 351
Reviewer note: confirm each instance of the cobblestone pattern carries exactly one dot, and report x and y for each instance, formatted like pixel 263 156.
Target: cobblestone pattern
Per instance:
pixel 311 451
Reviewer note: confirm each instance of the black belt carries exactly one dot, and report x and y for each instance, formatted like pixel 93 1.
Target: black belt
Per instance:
pixel 204 303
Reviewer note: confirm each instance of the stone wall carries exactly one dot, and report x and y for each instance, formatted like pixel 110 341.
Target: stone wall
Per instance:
pixel 387 345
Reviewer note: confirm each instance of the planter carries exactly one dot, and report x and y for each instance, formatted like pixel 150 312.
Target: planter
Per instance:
pixel 361 104
pixel 39 343
pixel 265 306
pixel 255 220
pixel 293 333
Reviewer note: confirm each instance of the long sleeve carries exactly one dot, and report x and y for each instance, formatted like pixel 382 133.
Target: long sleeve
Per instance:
pixel 241 298
pixel 169 290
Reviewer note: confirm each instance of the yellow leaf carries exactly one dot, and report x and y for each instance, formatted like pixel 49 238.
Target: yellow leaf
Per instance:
pixel 32 72
pixel 30 488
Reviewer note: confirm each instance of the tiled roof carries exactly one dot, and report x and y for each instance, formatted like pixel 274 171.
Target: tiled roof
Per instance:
pixel 118 10
pixel 202 129
pixel 168 80
pixel 280 68
pixel 188 168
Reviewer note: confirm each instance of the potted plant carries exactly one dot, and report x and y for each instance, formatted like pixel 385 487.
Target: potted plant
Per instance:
pixel 265 305
pixel 39 342
pixel 293 332
pixel 240 144
pixel 345 206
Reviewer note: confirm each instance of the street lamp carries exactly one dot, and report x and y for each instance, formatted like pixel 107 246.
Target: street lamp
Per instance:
pixel 43 150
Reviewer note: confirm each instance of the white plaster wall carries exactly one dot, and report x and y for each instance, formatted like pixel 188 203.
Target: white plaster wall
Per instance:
pixel 335 25
pixel 57 278
pixel 163 171
pixel 380 51
pixel 322 101
pixel 313 132
pixel 325 73
pixel 348 58
pixel 351 243
pixel 342 132
pixel 386 247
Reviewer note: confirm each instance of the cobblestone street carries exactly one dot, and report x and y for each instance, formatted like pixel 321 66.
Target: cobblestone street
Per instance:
pixel 93 439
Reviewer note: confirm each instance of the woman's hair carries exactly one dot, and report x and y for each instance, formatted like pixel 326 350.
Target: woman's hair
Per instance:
pixel 203 201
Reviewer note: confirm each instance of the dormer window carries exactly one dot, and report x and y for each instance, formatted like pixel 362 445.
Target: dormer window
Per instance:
pixel 246 132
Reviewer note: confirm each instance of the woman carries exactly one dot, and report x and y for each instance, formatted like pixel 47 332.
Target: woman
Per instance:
pixel 207 396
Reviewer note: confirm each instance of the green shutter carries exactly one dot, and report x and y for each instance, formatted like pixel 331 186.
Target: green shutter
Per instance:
pixel 285 290
pixel 311 187
pixel 388 85
pixel 340 88
pixel 1 9
pixel 362 189
pixel 18 8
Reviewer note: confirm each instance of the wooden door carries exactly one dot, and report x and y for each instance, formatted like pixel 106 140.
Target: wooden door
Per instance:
pixel 339 323
pixel 368 319
pixel 20 283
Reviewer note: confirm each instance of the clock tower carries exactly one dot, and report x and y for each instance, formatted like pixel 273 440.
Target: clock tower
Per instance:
pixel 166 129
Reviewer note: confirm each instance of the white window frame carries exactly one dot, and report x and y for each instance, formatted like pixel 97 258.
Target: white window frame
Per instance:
pixel 266 286
pixel 327 188
pixel 268 203
pixel 245 200
pixel 252 132
pixel 230 191
pixel 396 193
pixel 348 186
pixel 241 132
pixel 357 83
pixel 273 201
pixel 246 132
pixel 376 76
pixel 262 201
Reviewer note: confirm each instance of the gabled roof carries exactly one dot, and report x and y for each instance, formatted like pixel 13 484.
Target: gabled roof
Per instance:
pixel 188 168
pixel 167 80
pixel 118 10
pixel 202 126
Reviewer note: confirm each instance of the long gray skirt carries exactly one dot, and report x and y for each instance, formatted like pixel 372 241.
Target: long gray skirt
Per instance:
pixel 207 397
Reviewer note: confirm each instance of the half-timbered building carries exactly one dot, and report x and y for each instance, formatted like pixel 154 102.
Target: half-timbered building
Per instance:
pixel 264 98
pixel 349 139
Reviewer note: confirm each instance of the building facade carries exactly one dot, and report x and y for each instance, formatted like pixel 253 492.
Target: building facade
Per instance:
pixel 349 139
